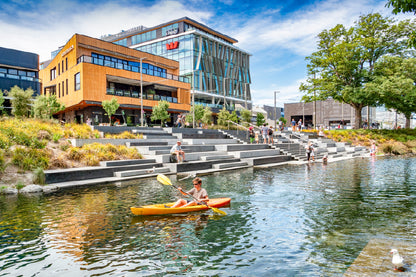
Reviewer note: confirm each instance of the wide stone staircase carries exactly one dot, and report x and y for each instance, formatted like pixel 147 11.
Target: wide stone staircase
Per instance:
pixel 206 151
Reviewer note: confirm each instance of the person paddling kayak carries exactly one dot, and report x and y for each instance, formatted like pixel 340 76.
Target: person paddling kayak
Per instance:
pixel 197 192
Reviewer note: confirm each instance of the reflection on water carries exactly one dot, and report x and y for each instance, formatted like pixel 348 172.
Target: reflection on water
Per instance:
pixel 306 220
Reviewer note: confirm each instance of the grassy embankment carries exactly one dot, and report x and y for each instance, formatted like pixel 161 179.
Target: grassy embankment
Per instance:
pixel 30 146
pixel 388 142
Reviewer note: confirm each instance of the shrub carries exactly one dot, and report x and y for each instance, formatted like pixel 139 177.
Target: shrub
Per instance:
pixel 75 154
pixel 29 159
pixel 56 137
pixel 19 185
pixel 59 162
pixel 39 176
pixel 42 134
pixel 4 141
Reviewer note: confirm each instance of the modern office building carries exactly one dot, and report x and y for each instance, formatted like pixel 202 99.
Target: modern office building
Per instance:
pixel 219 71
pixel 18 68
pixel 86 71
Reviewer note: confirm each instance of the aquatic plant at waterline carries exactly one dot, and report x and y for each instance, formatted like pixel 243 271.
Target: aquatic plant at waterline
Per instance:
pixel 39 176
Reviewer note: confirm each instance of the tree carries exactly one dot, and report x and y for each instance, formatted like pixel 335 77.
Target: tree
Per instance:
pixel 246 115
pixel 207 117
pixel 21 101
pixel 110 107
pixel 46 106
pixel 234 117
pixel 395 81
pixel 345 60
pixel 223 117
pixel 283 120
pixel 199 113
pixel 260 119
pixel 404 6
pixel 160 112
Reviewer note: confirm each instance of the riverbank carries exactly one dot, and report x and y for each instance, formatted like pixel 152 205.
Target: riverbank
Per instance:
pixel 29 146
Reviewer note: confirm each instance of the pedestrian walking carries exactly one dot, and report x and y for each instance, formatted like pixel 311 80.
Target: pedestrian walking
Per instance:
pixel 264 132
pixel 270 135
pixel 251 134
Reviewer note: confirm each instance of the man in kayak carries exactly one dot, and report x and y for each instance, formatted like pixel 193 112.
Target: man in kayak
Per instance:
pixel 197 192
pixel 177 149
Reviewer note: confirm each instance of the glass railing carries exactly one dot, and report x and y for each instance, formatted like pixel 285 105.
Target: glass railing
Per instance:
pixel 135 94
pixel 117 65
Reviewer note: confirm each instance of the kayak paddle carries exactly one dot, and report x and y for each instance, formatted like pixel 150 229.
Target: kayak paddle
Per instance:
pixel 166 181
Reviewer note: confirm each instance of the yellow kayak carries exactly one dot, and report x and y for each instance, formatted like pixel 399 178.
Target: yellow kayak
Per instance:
pixel 159 209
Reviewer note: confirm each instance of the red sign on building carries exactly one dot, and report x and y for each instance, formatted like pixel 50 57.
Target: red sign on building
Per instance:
pixel 172 45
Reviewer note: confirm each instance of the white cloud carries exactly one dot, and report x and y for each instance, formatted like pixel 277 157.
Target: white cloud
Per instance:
pixel 43 31
pixel 298 31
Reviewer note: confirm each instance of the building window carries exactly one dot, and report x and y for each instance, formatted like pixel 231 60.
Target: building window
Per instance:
pixel 66 86
pixel 59 90
pixel 77 81
pixel 63 89
pixel 53 73
pixel 66 65
pixel 62 66
pixel 59 69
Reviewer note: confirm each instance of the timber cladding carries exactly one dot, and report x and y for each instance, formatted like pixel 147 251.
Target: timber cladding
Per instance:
pixel 75 77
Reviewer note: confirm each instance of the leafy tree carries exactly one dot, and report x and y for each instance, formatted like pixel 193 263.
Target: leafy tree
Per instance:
pixel 21 101
pixel 260 119
pixel 207 117
pixel 110 107
pixel 395 81
pixel 283 120
pixel 234 117
pixel 199 113
pixel 46 106
pixel 246 115
pixel 404 6
pixel 223 117
pixel 345 60
pixel 160 112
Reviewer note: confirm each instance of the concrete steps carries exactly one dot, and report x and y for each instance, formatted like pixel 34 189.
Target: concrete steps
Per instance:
pixel 130 173
pixel 230 165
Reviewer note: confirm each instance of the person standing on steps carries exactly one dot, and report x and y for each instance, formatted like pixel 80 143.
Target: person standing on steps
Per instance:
pixel 251 134
pixel 270 135
pixel 293 125
pixel 308 149
pixel 264 132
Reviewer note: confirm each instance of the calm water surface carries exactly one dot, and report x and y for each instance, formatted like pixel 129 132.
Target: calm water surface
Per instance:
pixel 286 221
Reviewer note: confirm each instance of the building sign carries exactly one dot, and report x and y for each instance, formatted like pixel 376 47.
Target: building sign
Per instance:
pixel 172 45
pixel 173 31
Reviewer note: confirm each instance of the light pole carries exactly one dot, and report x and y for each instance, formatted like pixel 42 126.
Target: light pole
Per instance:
pixel 245 94
pixel 193 99
pixel 225 103
pixel 275 112
pixel 141 90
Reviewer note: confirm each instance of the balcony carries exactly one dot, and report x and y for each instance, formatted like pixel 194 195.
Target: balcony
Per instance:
pixel 122 66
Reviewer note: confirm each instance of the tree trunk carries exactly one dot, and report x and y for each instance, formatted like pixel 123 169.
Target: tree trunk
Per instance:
pixel 407 126
pixel 358 119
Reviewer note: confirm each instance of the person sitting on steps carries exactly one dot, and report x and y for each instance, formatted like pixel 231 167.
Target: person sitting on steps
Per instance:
pixel 177 149
pixel 198 192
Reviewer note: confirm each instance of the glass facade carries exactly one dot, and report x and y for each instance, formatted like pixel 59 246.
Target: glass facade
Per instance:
pixel 219 71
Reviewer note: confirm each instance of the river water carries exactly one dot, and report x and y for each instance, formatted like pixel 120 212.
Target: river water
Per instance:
pixel 303 220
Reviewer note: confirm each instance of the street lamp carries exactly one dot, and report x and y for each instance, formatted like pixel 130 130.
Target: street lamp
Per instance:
pixel 225 103
pixel 275 115
pixel 141 90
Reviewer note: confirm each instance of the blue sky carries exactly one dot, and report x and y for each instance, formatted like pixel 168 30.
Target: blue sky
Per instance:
pixel 278 34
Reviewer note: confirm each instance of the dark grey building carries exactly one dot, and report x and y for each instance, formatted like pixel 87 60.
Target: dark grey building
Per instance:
pixel 18 68
pixel 328 113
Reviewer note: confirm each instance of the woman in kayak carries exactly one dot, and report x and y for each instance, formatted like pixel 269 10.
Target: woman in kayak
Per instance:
pixel 197 192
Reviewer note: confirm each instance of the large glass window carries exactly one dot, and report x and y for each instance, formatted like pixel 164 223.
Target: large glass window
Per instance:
pixel 77 81
pixel 53 73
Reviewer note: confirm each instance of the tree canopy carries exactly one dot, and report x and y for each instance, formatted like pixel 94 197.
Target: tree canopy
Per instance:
pixel 345 60
pixel 110 107
pixel 46 106
pixel 21 101
pixel 160 112
pixel 404 6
